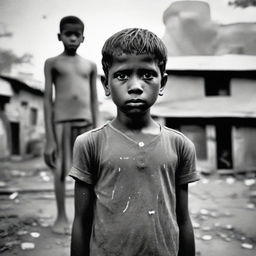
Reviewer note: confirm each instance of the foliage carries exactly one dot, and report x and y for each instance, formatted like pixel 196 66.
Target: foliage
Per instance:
pixel 243 3
pixel 8 58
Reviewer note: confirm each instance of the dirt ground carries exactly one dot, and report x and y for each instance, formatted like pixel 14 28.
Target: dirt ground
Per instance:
pixel 223 211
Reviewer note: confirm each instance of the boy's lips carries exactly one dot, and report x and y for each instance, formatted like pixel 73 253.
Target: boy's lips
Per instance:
pixel 72 45
pixel 135 102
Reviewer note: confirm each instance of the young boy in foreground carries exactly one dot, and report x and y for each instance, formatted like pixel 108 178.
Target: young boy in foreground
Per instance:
pixel 132 174
pixel 71 112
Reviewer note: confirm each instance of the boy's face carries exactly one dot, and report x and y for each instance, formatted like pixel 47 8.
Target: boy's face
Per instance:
pixel 134 82
pixel 71 36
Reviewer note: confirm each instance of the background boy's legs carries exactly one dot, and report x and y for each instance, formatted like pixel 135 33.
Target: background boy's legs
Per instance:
pixel 63 164
pixel 66 134
pixel 78 128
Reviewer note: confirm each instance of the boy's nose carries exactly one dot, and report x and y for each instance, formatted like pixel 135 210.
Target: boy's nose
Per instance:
pixel 135 86
pixel 73 37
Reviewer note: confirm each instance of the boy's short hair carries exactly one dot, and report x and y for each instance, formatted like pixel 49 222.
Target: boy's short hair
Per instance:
pixel 71 20
pixel 133 41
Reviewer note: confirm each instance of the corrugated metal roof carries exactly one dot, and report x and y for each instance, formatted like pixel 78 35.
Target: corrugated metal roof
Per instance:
pixel 207 107
pixel 17 84
pixel 5 88
pixel 212 63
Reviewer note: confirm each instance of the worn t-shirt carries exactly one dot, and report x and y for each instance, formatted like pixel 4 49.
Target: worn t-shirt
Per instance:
pixel 134 183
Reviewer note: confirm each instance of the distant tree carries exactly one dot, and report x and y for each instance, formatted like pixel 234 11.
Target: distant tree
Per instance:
pixel 242 3
pixel 8 58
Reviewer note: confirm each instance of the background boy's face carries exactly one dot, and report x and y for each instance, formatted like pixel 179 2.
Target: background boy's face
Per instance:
pixel 134 82
pixel 71 35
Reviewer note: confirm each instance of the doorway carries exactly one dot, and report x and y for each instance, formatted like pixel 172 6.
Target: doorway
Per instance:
pixel 15 136
pixel 224 146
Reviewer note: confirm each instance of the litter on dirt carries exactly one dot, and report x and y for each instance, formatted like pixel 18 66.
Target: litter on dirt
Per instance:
pixel 35 234
pixel 14 195
pixel 27 246
pixel 247 246
pixel 207 237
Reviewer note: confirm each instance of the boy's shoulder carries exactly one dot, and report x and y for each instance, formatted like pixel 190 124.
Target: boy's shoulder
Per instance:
pixel 93 134
pixel 172 131
pixel 61 58
pixel 176 135
pixel 166 131
pixel 88 62
pixel 52 60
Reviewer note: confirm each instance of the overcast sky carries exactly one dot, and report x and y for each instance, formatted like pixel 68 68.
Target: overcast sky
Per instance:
pixel 34 23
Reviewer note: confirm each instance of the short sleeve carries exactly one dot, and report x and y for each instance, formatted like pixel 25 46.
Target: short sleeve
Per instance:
pixel 187 172
pixel 82 160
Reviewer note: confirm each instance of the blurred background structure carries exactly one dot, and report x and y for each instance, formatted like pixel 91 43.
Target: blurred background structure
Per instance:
pixel 212 85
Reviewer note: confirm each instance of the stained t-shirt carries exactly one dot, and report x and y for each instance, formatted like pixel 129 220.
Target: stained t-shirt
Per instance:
pixel 134 183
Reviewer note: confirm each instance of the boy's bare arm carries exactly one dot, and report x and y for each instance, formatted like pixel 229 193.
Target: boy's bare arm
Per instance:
pixel 50 148
pixel 94 97
pixel 187 242
pixel 82 225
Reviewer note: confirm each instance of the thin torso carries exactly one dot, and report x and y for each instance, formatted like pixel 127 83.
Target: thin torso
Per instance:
pixel 71 77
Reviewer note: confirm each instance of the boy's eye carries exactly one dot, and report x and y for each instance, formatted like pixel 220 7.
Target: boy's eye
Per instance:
pixel 121 76
pixel 72 33
pixel 147 76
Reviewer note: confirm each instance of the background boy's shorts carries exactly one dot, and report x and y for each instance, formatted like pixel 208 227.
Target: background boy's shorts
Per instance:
pixel 66 134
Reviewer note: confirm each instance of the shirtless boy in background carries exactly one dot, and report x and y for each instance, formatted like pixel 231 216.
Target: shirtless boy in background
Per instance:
pixel 71 110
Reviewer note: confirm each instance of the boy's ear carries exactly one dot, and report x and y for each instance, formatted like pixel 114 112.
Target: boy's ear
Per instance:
pixel 59 37
pixel 82 39
pixel 163 83
pixel 104 82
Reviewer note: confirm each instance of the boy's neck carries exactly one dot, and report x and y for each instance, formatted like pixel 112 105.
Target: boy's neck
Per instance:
pixel 139 124
pixel 69 52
